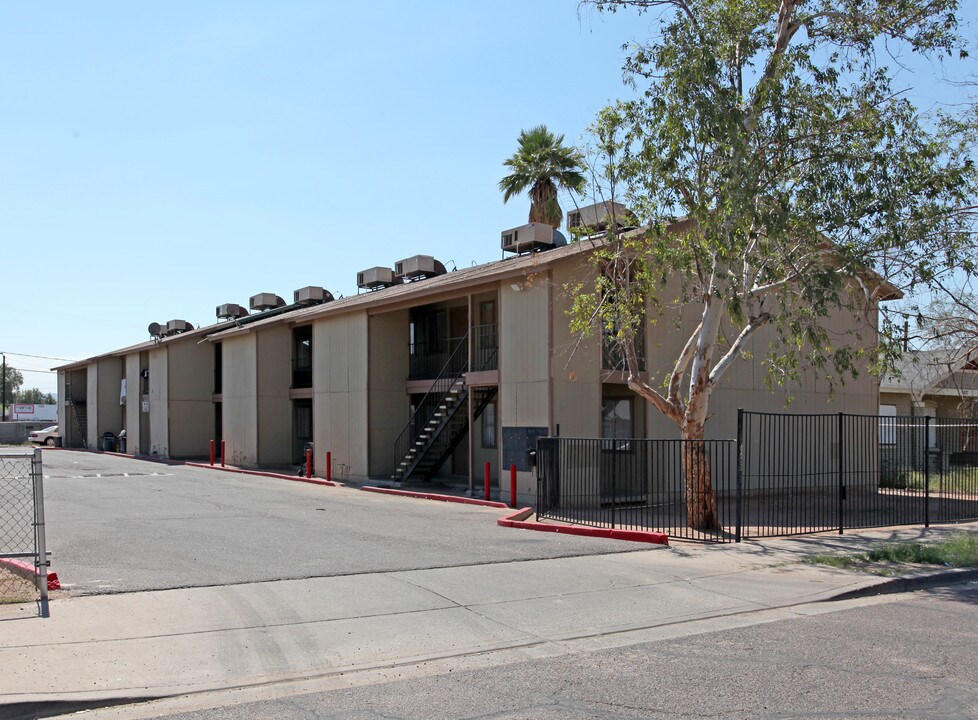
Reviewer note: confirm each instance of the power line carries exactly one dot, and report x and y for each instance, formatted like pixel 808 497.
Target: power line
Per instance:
pixel 39 357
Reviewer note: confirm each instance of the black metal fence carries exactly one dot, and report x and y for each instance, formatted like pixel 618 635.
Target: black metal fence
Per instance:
pixel 783 475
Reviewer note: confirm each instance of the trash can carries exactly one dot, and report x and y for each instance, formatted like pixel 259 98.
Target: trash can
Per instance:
pixel 108 442
pixel 58 441
pixel 122 441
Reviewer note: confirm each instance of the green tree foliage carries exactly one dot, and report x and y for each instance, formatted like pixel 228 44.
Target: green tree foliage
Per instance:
pixel 14 379
pixel 34 396
pixel 784 175
pixel 543 165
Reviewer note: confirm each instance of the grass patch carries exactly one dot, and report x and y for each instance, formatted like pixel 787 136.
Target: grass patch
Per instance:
pixel 951 480
pixel 960 550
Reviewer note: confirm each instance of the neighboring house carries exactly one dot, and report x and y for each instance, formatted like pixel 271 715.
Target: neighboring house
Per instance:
pixel 935 383
pixel 427 374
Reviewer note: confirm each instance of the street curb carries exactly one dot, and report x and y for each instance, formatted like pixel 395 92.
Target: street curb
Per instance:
pixel 435 496
pixel 912 582
pixel 27 571
pixel 519 520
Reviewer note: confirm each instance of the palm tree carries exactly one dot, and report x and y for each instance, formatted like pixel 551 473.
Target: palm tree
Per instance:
pixel 543 164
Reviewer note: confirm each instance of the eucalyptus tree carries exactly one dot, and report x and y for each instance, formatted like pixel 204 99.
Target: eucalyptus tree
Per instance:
pixel 784 174
pixel 543 165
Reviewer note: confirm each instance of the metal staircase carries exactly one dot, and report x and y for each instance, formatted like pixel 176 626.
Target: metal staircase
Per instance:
pixel 79 412
pixel 441 420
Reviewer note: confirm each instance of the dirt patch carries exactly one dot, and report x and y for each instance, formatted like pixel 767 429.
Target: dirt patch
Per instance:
pixel 15 589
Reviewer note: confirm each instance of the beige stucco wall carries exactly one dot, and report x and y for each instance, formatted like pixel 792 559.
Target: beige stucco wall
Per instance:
pixel 388 403
pixel 91 429
pixel 273 346
pixel 240 399
pixel 133 411
pixel 575 364
pixel 63 409
pixel 339 378
pixel 190 384
pixel 159 425
pixel 524 365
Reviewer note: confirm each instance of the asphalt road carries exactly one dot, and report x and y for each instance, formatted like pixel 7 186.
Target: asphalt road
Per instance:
pixel 909 656
pixel 147 526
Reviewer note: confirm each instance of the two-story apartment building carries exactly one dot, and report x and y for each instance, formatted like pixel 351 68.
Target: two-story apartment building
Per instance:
pixel 425 373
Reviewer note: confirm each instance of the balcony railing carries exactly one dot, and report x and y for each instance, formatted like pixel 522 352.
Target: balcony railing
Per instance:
pixel 428 359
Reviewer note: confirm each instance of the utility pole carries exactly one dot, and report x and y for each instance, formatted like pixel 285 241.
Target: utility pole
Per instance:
pixel 3 418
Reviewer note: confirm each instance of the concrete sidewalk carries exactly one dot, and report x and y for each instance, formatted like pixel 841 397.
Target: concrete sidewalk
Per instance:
pixel 372 626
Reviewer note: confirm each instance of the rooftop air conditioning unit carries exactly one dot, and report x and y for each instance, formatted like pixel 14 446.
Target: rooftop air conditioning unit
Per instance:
pixel 265 301
pixel 418 267
pixel 535 236
pixel 596 218
pixel 177 326
pixel 377 277
pixel 312 295
pixel 230 311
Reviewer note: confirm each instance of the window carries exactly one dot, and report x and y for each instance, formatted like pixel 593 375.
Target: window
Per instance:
pixel 302 357
pixel 888 428
pixel 616 422
pixel 489 426
pixel 487 312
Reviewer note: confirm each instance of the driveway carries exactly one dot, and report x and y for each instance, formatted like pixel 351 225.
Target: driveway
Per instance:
pixel 119 525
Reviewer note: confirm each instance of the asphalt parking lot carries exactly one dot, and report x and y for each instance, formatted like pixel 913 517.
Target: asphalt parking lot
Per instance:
pixel 118 524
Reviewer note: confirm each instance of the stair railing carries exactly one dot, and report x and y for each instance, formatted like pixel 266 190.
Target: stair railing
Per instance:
pixel 450 376
pixel 82 436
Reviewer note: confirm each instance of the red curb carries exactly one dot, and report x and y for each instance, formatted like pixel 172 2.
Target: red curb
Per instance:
pixel 27 571
pixel 262 473
pixel 435 496
pixel 518 520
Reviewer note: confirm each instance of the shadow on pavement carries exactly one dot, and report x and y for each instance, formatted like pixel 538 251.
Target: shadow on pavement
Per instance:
pixel 54 708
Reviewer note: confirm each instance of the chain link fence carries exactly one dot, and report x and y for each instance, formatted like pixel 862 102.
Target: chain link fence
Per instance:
pixel 22 542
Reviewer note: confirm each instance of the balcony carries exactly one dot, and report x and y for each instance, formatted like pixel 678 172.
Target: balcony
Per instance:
pixel 429 359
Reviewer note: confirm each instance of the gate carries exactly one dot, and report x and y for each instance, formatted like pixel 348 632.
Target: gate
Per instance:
pixel 811 473
pixel 23 557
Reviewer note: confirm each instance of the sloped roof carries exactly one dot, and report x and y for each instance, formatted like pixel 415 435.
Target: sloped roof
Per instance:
pixel 919 371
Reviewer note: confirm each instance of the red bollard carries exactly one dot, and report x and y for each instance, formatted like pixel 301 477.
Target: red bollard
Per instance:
pixel 512 485
pixel 329 466
pixel 212 452
pixel 222 453
pixel 486 483
pixel 308 462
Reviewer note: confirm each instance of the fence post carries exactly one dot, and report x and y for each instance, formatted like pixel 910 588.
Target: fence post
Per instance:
pixel 512 485
pixel 212 452
pixel 927 471
pixel 842 487
pixel 329 466
pixel 614 481
pixel 740 465
pixel 40 541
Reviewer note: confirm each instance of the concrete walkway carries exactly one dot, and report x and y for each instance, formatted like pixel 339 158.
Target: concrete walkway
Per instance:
pixel 369 627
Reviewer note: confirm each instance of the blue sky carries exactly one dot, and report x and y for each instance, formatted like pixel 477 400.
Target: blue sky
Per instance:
pixel 157 160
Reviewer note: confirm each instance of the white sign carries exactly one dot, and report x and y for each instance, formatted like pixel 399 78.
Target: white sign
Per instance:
pixel 23 409
pixel 145 405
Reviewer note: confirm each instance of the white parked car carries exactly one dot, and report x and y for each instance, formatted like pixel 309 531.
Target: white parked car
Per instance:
pixel 45 436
